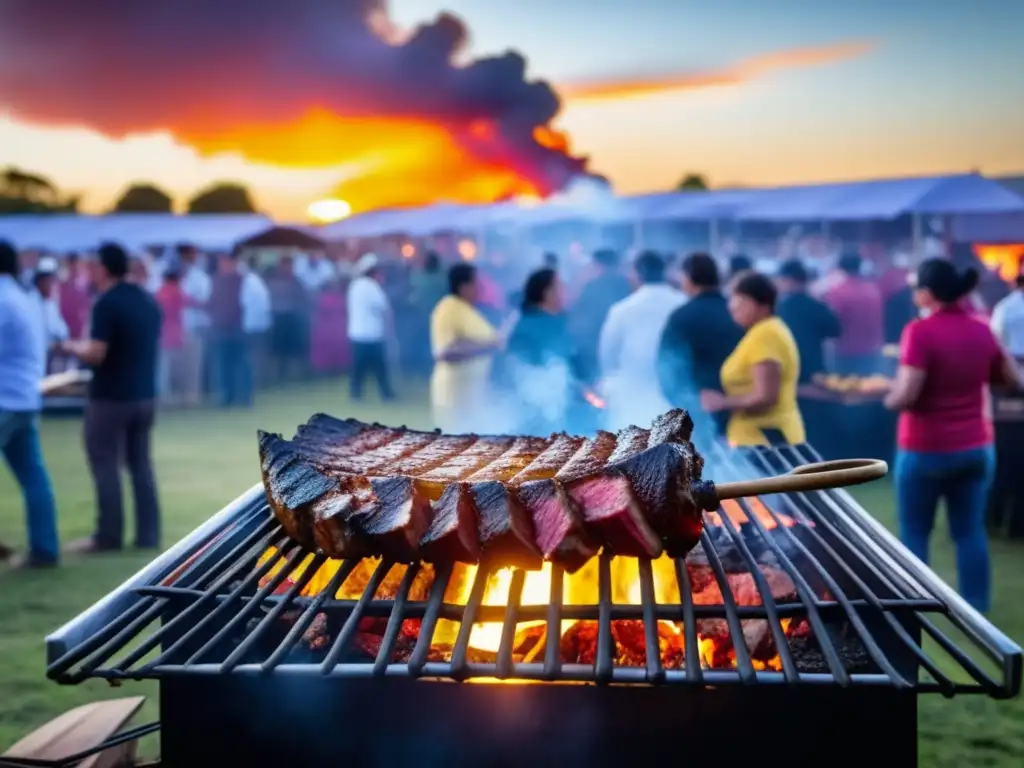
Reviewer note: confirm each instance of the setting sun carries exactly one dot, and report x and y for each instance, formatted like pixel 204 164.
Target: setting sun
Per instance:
pixel 328 211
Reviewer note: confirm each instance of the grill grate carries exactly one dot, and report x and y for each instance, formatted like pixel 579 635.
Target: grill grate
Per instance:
pixel 201 609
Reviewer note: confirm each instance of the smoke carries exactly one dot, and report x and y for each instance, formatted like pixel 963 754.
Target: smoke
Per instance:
pixel 304 83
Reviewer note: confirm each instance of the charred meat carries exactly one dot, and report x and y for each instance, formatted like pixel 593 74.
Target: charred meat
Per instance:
pixel 352 489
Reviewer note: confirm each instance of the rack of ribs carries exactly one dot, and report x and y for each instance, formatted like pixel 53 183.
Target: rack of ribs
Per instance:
pixel 351 489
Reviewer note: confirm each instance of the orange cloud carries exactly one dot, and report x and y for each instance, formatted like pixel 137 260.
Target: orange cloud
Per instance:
pixel 751 69
pixel 303 84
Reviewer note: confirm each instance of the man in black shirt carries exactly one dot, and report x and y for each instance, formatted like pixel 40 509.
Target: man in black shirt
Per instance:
pixel 590 309
pixel 122 350
pixel 698 338
pixel 810 321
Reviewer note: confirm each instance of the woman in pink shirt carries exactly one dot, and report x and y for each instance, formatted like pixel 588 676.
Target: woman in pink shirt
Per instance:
pixel 947 361
pixel 172 301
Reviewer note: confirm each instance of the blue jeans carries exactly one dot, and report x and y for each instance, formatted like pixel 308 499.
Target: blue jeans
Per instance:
pixel 19 441
pixel 233 369
pixel 962 479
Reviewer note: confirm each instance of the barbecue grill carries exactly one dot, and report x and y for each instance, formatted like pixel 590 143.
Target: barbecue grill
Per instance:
pixel 227 622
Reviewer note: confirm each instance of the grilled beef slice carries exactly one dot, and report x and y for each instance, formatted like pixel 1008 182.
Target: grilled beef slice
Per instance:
pixel 453 532
pixel 661 478
pixel 293 485
pixel 673 426
pixel 504 526
pixel 629 442
pixel 557 522
pixel 606 501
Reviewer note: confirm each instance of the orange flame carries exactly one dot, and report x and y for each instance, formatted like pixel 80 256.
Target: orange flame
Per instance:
pixel 738 517
pixel 577 638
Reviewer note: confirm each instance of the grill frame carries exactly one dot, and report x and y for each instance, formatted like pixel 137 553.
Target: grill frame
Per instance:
pixel 84 647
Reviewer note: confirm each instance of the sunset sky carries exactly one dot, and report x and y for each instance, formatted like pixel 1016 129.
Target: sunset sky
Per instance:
pixel 744 91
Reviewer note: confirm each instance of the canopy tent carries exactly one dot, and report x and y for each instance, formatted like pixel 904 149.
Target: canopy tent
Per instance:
pixel 992 228
pixel 305 238
pixel 134 231
pixel 696 206
pixel 371 224
pixel 881 200
pixel 966 194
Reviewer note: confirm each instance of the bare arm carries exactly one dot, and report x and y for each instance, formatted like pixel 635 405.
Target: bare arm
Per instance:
pixel 89 351
pixel 464 349
pixel 906 388
pixel 764 395
pixel 1007 373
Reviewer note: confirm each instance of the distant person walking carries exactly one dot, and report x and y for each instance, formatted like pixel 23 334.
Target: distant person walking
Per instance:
pixel 196 285
pixel 630 340
pixel 589 310
pixel 232 366
pixel 1008 320
pixel 289 332
pixel 123 351
pixel 22 364
pixel 370 325
pixel 173 302
pixel 857 303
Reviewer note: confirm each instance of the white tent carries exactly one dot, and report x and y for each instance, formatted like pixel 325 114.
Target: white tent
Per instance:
pixel 63 233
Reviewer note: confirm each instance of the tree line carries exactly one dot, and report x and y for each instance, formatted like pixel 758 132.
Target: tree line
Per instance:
pixel 25 192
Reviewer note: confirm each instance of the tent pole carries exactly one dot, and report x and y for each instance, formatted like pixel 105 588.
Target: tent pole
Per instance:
pixel 918 236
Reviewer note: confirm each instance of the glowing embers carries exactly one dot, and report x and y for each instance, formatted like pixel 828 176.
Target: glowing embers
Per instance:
pixel 725 599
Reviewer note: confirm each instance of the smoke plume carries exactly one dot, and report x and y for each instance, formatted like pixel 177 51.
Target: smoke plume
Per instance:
pixel 308 83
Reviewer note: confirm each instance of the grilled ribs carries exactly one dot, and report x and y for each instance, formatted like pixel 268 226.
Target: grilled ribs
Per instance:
pixel 352 489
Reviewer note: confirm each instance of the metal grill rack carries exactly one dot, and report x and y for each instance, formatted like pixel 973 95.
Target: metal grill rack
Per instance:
pixel 200 610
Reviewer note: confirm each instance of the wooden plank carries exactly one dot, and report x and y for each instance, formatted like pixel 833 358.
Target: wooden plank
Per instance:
pixel 81 729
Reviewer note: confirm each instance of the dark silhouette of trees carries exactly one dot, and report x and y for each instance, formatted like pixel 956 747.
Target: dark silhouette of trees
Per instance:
pixel 693 182
pixel 24 192
pixel 223 197
pixel 143 198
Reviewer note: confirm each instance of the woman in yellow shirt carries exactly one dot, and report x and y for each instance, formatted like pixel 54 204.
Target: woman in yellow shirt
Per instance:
pixel 463 344
pixel 760 376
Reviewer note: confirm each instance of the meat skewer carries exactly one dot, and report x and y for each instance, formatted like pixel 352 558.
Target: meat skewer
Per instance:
pixel 351 489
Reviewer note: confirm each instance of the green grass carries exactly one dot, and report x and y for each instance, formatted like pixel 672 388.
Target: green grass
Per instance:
pixel 205 459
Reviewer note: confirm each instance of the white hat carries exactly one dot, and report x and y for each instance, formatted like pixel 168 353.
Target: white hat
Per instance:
pixel 367 263
pixel 47 266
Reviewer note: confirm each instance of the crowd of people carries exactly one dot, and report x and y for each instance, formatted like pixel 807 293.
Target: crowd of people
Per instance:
pixel 580 346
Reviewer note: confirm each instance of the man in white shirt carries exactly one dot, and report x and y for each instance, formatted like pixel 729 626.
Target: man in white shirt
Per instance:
pixel 197 286
pixel 629 342
pixel 369 326
pixel 1008 320
pixel 44 296
pixel 314 271
pixel 256 320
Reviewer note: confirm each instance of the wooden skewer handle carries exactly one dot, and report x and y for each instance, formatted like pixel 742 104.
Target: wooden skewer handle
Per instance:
pixel 808 477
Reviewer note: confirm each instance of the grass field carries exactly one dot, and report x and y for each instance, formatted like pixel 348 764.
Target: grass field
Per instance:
pixel 205 459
